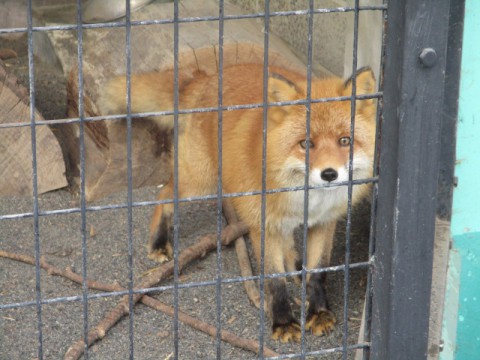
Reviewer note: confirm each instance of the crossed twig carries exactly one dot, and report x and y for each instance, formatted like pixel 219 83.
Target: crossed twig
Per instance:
pixel 234 231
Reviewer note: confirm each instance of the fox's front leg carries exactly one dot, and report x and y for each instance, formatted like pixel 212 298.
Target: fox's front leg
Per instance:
pixel 284 326
pixel 161 228
pixel 320 320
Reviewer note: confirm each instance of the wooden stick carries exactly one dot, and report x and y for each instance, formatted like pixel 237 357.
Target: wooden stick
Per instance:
pixel 242 256
pixel 206 244
pixel 227 336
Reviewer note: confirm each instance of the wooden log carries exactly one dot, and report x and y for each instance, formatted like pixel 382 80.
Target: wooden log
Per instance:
pixel 104 56
pixel 13 15
pixel 16 145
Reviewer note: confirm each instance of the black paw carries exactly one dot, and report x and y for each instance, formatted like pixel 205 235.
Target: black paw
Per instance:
pixel 160 248
pixel 321 323
pixel 287 332
pixel 161 255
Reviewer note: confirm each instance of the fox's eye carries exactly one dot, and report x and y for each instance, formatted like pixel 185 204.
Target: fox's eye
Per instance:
pixel 344 141
pixel 303 144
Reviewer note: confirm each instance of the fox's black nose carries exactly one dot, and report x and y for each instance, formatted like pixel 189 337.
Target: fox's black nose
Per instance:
pixel 329 174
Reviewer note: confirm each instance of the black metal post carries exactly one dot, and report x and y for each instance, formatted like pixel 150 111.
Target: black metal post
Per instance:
pixel 415 65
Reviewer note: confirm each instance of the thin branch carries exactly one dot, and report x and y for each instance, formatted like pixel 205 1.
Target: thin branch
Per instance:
pixel 206 244
pixel 227 336
pixel 242 256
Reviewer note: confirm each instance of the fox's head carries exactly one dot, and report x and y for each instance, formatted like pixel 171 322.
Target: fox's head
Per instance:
pixel 330 137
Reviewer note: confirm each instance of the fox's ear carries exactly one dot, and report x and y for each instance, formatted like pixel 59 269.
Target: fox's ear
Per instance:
pixel 365 84
pixel 281 89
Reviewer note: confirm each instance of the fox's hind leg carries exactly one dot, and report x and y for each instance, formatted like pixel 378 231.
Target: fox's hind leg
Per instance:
pixel 320 320
pixel 161 227
pixel 190 184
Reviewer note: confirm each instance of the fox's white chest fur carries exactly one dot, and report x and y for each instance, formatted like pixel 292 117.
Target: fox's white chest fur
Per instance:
pixel 324 206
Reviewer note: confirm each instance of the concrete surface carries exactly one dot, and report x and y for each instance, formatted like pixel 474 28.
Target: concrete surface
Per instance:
pixel 60 243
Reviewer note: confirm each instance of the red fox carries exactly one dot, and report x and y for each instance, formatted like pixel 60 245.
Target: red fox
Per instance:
pixel 329 147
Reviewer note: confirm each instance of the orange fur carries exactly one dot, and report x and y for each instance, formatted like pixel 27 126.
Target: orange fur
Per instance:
pixel 242 151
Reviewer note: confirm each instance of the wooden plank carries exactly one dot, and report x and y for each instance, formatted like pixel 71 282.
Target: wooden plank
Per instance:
pixel 16 146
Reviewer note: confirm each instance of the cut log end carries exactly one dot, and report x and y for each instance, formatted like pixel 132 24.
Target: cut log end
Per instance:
pixel 16 145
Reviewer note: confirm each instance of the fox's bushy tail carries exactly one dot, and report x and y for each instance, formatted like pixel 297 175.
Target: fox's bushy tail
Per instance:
pixel 152 92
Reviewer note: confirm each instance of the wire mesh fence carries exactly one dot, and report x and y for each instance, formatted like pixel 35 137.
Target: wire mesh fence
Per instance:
pixel 220 277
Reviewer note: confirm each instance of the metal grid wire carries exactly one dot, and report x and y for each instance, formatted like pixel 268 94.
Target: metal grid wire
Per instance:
pixel 83 209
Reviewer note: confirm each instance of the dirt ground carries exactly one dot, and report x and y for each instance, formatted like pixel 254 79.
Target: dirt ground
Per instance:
pixel 60 244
